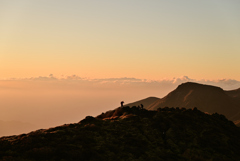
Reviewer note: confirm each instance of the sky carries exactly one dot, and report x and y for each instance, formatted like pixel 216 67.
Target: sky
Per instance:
pixel 129 38
pixel 63 60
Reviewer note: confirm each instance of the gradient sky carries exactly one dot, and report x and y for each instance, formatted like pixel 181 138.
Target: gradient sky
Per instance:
pixel 151 39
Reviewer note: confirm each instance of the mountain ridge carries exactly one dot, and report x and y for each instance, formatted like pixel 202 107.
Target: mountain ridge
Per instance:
pixel 145 102
pixel 206 98
pixel 166 134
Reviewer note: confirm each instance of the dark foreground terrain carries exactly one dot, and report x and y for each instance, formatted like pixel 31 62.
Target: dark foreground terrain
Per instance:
pixel 131 134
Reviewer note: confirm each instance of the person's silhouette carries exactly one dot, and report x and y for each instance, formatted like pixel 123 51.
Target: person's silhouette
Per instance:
pixel 122 103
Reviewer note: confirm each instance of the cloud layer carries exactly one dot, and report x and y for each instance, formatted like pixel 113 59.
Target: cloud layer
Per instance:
pixel 226 84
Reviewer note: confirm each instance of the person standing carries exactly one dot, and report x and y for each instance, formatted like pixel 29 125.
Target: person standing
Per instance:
pixel 122 103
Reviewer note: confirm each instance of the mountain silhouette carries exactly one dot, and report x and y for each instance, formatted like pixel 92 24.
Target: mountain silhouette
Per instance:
pixel 131 134
pixel 145 102
pixel 234 93
pixel 206 98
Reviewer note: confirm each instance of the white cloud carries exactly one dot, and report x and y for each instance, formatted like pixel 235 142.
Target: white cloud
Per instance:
pixel 226 84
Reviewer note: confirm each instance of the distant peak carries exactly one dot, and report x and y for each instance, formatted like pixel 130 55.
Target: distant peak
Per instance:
pixel 190 83
pixel 194 85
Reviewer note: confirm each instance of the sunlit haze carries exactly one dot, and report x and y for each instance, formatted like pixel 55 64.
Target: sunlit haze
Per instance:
pixel 63 60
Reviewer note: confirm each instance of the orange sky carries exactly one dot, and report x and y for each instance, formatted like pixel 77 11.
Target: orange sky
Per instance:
pixel 148 40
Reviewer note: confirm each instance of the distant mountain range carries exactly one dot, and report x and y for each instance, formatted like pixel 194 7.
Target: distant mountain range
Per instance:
pixel 206 98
